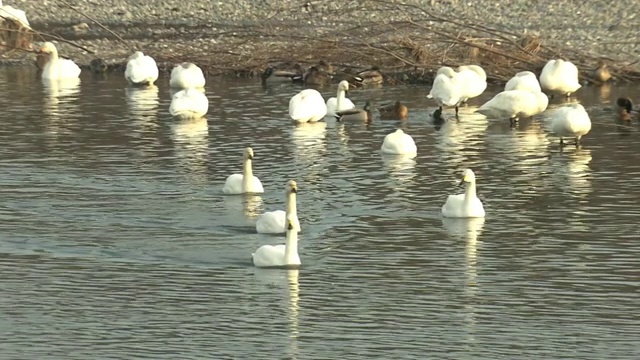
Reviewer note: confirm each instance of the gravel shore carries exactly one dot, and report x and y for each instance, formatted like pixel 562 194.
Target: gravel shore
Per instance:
pixel 180 30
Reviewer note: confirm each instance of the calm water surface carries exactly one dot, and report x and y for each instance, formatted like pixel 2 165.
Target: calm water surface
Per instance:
pixel 116 241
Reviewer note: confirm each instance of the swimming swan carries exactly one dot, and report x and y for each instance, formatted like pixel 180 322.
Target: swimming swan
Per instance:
pixel 245 182
pixel 307 106
pixel 9 12
pixel 399 143
pixel 559 76
pixel 445 89
pixel 524 80
pixel 189 104
pixel 340 102
pixel 465 205
pixel 141 69
pixel 187 75
pixel 571 121
pixel 473 80
pixel 274 222
pixel 280 255
pixel 515 104
pixel 56 68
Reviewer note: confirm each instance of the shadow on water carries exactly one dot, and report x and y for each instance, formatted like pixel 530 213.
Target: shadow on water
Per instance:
pixel 116 234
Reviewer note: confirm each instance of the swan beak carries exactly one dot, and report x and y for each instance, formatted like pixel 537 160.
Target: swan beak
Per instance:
pixel 250 157
pixel 461 183
pixel 294 189
pixel 290 225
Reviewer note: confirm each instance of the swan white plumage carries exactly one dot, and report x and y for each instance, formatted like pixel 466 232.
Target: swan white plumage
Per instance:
pixel 465 205
pixel 571 121
pixel 9 12
pixel 189 104
pixel 473 81
pixel 559 76
pixel 245 182
pixel 445 89
pixel 340 102
pixel 524 80
pixel 280 255
pixel 141 69
pixel 275 222
pixel 56 68
pixel 307 106
pixel 399 143
pixel 187 75
pixel 515 104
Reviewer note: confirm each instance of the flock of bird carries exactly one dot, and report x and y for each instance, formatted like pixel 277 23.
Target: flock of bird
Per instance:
pixel 524 96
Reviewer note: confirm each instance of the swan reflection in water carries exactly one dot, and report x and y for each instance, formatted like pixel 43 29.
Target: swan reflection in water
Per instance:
pixel 287 282
pixel 142 101
pixel 60 102
pixel 310 147
pixel 570 170
pixel 468 229
pixel 402 168
pixel 456 139
pixel 251 205
pixel 191 143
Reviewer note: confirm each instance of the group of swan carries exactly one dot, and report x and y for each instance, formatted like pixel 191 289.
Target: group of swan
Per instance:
pixel 454 87
pixel 189 102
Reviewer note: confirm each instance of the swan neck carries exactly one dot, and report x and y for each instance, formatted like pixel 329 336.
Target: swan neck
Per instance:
pixel 247 173
pixel 292 207
pixel 339 98
pixel 470 193
pixel 291 247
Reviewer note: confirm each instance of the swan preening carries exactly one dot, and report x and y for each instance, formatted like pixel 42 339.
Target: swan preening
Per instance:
pixel 560 77
pixel 399 143
pixel 56 68
pixel 189 103
pixel 307 106
pixel 451 88
pixel 275 222
pixel 280 255
pixel 465 205
pixel 9 12
pixel 245 182
pixel 187 75
pixel 340 102
pixel 515 104
pixel 570 121
pixel 524 80
pixel 141 69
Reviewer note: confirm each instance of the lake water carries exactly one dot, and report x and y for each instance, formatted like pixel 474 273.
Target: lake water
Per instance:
pixel 116 241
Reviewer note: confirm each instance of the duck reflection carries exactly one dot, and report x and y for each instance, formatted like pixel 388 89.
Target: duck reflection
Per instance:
pixel 60 102
pixel 191 143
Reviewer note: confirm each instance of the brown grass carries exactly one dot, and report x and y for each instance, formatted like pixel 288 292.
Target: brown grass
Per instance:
pixel 13 35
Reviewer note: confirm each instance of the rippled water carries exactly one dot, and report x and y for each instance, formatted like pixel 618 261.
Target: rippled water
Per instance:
pixel 116 240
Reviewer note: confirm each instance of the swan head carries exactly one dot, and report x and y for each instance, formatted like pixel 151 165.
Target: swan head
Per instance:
pixel 468 177
pixel 136 55
pixel 48 48
pixel 248 153
pixel 343 86
pixel 292 187
pixel 445 70
pixel 188 65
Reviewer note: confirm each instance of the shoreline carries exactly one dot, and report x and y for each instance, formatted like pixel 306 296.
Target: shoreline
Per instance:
pixel 386 34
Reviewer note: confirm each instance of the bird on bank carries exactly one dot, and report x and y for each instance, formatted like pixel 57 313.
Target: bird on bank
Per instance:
pixel 601 72
pixel 395 111
pixel 141 69
pixel 98 66
pixel 559 77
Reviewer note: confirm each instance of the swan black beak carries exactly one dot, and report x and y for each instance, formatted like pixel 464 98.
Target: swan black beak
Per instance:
pixel 250 157
pixel 294 190
pixel 461 183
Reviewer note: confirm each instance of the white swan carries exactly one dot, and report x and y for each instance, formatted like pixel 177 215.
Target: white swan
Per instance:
pixel 189 104
pixel 474 79
pixel 399 143
pixel 56 68
pixel 465 205
pixel 340 102
pixel 515 104
pixel 524 80
pixel 280 255
pixel 141 69
pixel 187 75
pixel 559 76
pixel 307 106
pixel 571 121
pixel 245 182
pixel 274 222
pixel 9 12
pixel 445 89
